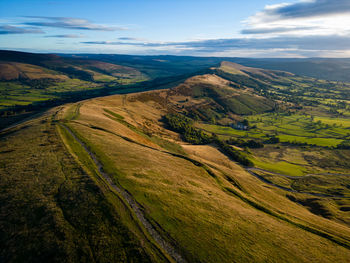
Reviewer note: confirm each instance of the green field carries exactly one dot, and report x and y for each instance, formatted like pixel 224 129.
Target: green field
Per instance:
pixel 320 131
pixel 280 167
pixel 16 93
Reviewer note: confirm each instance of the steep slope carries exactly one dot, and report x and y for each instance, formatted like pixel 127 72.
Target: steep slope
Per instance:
pixel 212 96
pixel 198 199
pixel 203 204
pixel 53 209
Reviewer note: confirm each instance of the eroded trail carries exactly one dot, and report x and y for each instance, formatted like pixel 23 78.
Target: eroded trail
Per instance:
pixel 166 246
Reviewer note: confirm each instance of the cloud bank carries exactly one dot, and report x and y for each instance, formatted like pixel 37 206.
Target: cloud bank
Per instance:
pixel 309 8
pixel 69 23
pixel 215 45
pixel 8 29
pixel 305 17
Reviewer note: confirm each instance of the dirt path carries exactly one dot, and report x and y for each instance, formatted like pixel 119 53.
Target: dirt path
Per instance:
pixel 169 249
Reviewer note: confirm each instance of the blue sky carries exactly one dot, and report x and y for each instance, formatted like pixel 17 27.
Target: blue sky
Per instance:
pixel 250 28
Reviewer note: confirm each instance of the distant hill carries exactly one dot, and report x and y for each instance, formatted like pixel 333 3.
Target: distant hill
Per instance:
pixel 155 66
pixel 57 65
pixel 16 71
pixel 165 65
pixel 321 68
pixel 336 69
pixel 29 81
pixel 210 96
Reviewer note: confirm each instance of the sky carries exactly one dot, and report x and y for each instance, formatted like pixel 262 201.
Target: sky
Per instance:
pixel 231 28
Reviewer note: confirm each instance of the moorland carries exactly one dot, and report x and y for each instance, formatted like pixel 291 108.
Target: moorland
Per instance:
pixel 228 163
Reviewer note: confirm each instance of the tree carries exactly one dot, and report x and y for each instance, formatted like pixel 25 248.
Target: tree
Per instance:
pixel 245 122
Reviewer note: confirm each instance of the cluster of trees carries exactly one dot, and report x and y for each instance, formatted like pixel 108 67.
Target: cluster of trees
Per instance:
pixel 184 125
pixel 344 145
pixel 76 73
pixel 242 143
pixel 272 140
pixel 39 83
pixel 232 153
pixel 296 143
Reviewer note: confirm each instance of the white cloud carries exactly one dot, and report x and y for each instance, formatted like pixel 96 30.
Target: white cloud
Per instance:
pixel 303 18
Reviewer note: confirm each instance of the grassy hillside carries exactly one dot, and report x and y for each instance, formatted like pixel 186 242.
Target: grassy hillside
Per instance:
pixel 208 206
pixel 167 176
pixel 210 96
pixel 304 138
pixel 54 208
pixel 30 82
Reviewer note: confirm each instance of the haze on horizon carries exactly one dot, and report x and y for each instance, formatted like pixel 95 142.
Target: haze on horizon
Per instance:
pixel 257 28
